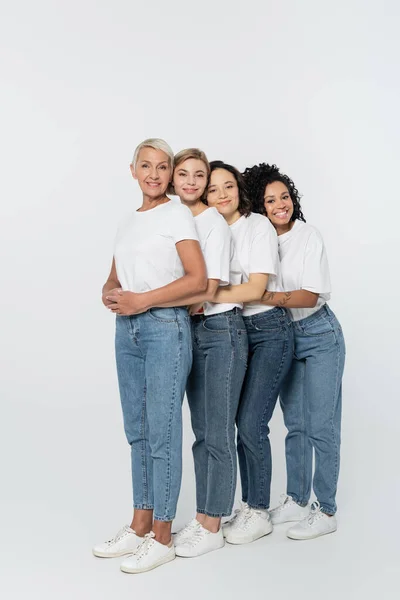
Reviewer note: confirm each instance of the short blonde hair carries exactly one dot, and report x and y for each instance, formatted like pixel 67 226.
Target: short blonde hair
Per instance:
pixel 156 144
pixel 186 154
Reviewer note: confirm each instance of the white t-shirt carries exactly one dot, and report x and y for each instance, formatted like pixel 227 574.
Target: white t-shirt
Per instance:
pixel 145 253
pixel 257 251
pixel 219 250
pixel 304 265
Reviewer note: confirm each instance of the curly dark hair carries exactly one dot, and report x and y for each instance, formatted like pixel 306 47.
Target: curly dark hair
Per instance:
pixel 258 177
pixel 244 202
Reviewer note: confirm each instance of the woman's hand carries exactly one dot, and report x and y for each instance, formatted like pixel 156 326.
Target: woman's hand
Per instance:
pixel 107 303
pixel 125 303
pixel 195 308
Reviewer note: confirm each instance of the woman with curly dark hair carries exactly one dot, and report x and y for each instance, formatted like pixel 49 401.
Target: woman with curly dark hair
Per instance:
pixel 270 336
pixel 311 396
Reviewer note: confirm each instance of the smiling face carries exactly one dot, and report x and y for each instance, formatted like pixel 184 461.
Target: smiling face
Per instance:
pixel 190 180
pixel 152 171
pixel 278 206
pixel 223 194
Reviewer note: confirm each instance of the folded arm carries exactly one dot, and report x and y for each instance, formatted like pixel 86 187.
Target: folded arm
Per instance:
pixel 295 299
pixel 245 292
pixel 193 282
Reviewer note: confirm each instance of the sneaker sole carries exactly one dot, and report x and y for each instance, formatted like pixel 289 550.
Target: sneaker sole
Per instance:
pixel 311 537
pixel 160 562
pixel 114 555
pixel 201 554
pixel 249 539
pixel 289 520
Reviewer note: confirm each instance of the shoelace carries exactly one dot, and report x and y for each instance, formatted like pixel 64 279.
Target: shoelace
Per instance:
pixel 144 547
pixel 284 501
pixel 249 517
pixel 238 515
pixel 198 535
pixel 121 533
pixel 315 513
pixel 189 527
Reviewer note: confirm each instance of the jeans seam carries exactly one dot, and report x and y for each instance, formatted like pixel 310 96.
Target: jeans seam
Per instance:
pixel 336 446
pixel 171 410
pixel 303 442
pixel 273 388
pixel 228 395
pixel 143 447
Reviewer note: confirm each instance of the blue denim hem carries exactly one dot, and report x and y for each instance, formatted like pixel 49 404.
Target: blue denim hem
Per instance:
pixel 326 511
pixel 259 506
pixel 208 514
pixel 163 519
pixel 301 503
pixel 143 507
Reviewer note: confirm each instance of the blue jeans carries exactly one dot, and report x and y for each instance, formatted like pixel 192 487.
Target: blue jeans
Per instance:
pixel 311 400
pixel 219 365
pixel 270 337
pixel 154 357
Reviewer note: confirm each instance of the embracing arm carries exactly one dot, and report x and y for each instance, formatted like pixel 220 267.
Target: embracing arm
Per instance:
pixel 207 296
pixel 193 282
pixel 295 299
pixel 245 292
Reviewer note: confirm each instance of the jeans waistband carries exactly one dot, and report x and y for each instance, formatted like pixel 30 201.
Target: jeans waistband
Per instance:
pixel 227 313
pixel 323 311
pixel 274 313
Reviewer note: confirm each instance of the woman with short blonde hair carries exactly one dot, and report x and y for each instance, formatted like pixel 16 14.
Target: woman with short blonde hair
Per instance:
pixel 157 260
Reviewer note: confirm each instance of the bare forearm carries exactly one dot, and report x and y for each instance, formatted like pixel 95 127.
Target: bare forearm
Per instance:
pixel 177 293
pixel 207 296
pixel 295 299
pixel 245 292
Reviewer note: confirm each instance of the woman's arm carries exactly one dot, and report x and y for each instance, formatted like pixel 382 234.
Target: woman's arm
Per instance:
pixel 193 282
pixel 207 296
pixel 245 292
pixel 296 299
pixel 112 283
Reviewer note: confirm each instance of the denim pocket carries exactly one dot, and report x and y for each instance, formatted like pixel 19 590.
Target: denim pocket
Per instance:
pixel 217 323
pixel 163 315
pixel 266 324
pixel 322 326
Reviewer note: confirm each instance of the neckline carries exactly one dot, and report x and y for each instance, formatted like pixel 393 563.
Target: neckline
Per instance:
pixel 285 236
pixel 240 219
pixel 204 212
pixel 149 210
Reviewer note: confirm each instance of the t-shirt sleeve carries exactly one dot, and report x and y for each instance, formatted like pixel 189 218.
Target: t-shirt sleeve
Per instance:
pixel 264 249
pixel 316 276
pixel 183 226
pixel 217 252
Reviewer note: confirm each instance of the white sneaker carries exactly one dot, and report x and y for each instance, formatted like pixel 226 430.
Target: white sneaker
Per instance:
pixel 288 510
pixel 252 524
pixel 317 523
pixel 125 542
pixel 200 542
pixel 149 555
pixel 183 534
pixel 239 513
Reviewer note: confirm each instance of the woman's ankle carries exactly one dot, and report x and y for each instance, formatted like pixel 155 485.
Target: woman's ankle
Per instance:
pixel 212 524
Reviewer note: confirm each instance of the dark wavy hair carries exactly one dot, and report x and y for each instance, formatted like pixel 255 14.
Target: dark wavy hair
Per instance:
pixel 258 177
pixel 244 202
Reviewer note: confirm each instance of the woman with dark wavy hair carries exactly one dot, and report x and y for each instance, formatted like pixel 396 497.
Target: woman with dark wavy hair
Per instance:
pixel 311 396
pixel 270 336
